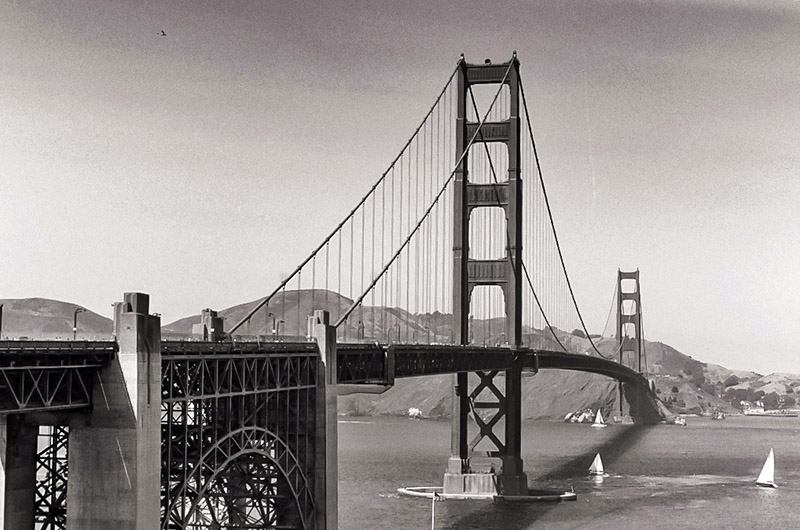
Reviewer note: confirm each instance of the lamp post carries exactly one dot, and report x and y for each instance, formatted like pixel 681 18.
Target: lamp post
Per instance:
pixel 274 330
pixel 1 321
pixel 278 328
pixel 75 321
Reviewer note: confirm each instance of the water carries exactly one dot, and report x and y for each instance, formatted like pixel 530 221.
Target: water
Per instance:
pixel 699 476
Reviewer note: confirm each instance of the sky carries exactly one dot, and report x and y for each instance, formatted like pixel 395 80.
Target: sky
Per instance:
pixel 202 165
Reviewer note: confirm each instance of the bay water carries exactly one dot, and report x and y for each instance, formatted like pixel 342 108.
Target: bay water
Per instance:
pixel 659 477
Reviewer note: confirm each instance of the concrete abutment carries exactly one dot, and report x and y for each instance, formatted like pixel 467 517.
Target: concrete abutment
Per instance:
pixel 115 451
pixel 326 463
pixel 17 473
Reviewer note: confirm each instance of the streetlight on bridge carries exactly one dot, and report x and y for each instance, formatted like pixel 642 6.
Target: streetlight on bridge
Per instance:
pixel 75 321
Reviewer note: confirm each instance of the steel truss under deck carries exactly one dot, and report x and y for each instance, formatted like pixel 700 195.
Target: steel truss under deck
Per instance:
pixel 51 478
pixel 50 375
pixel 238 426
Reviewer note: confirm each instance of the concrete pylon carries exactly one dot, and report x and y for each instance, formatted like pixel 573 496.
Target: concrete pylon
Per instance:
pixel 210 328
pixel 115 451
pixel 326 468
pixel 17 473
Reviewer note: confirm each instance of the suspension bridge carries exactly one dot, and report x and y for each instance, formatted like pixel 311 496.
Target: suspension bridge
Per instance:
pixel 449 264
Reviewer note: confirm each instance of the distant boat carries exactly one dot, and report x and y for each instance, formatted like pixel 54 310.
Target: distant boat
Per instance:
pixel 597 466
pixel 414 413
pixel 766 479
pixel 598 420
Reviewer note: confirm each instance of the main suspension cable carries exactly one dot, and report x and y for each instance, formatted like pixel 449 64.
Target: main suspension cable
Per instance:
pixel 350 215
pixel 430 208
pixel 508 235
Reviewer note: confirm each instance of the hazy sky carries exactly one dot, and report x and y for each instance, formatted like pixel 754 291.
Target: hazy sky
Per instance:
pixel 200 166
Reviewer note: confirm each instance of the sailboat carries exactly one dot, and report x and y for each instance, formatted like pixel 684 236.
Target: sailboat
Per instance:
pixel 598 420
pixel 766 479
pixel 597 466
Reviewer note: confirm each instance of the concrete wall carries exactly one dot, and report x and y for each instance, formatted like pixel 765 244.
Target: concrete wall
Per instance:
pixel 17 473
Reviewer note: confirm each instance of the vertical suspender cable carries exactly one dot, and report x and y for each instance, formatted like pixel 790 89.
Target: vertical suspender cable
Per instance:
pixel 552 224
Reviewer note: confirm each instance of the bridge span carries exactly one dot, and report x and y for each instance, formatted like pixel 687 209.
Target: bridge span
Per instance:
pixel 382 363
pixel 255 421
pixel 221 433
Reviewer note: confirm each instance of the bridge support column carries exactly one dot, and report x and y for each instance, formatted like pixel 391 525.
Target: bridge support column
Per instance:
pixel 17 473
pixel 512 479
pixel 326 468
pixel 115 451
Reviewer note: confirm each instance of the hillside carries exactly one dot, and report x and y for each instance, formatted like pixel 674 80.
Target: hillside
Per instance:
pixel 291 308
pixel 289 312
pixel 42 318
pixel 550 394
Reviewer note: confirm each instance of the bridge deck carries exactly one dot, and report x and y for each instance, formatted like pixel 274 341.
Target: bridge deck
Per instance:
pixel 55 375
pixel 50 375
pixel 380 363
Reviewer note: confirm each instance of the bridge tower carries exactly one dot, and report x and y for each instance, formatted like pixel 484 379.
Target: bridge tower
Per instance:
pixel 629 340
pixel 505 273
pixel 629 324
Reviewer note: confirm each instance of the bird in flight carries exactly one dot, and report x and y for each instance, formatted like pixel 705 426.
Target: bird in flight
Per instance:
pixel 162 34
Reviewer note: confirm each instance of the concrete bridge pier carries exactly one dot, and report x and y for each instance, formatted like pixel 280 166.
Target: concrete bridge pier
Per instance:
pixel 326 463
pixel 512 479
pixel 115 451
pixel 17 473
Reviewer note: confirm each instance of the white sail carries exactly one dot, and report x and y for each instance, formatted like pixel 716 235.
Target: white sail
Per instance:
pixel 767 475
pixel 597 466
pixel 598 420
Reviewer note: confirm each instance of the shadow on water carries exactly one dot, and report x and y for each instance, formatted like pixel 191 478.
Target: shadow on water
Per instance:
pixel 521 516
pixel 611 450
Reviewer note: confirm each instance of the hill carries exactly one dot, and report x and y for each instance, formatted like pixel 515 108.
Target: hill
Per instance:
pixel 42 318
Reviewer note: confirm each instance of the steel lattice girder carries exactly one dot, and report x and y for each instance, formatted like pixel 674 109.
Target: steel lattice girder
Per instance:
pixel 51 479
pixel 486 428
pixel 50 375
pixel 234 406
